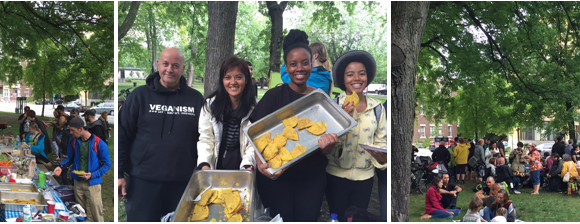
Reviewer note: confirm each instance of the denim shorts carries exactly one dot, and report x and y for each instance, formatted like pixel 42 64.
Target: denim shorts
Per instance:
pixel 535 176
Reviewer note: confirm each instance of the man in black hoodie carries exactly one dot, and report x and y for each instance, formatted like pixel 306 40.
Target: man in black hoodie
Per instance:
pixel 158 134
pixel 441 154
pixel 559 147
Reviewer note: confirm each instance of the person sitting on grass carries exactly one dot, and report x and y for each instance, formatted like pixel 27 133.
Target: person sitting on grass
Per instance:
pixel 554 174
pixel 500 215
pixel 505 174
pixel 433 207
pixel 449 192
pixel 490 190
pixel 473 214
pixel 502 201
pixel 569 166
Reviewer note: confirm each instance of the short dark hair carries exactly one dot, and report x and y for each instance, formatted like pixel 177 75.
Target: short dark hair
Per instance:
pixel 60 108
pixel 553 155
pixel 475 204
pixel 559 138
pixel 249 63
pixel 520 144
pixel 31 113
pixel 26 108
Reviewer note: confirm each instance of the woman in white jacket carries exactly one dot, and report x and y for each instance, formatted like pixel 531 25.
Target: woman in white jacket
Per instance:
pixel 222 144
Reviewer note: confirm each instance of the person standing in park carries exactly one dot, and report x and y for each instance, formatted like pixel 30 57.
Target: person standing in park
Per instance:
pixel 559 147
pixel 86 152
pixel 158 134
pixel 320 76
pixel 570 147
pixel 24 123
pixel 42 126
pixel 351 169
pixel 96 126
pixel 535 167
pixel 479 153
pixel 302 184
pixel 222 144
pixel 461 152
pixel 441 155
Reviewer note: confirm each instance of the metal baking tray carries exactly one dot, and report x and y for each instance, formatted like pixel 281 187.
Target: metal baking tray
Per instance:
pixel 242 180
pixel 4 195
pixel 374 148
pixel 316 106
pixel 10 186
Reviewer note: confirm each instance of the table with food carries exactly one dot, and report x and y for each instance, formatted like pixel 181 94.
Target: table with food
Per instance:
pixel 28 192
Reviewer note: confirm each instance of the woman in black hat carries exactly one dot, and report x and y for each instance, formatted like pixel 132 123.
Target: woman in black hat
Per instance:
pixel 350 168
pixel 295 193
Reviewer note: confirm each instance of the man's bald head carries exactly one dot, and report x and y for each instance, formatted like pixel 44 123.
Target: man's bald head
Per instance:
pixel 171 66
pixel 501 160
pixel 481 141
pixel 490 181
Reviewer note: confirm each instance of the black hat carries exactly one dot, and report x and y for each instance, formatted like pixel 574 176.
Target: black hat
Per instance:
pixel 296 39
pixel 76 122
pixel 89 112
pixel 354 56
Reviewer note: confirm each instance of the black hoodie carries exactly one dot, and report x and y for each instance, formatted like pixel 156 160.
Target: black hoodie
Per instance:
pixel 158 131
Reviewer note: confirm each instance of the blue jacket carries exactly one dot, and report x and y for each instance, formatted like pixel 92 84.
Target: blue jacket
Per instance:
pixel 319 78
pixel 38 147
pixel 96 168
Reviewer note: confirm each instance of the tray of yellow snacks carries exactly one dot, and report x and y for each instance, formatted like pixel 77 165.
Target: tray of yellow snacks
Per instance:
pixel 18 187
pixel 78 172
pixel 230 198
pixel 291 133
pixel 15 201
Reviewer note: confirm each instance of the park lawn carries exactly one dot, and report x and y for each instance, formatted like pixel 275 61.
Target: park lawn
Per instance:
pixel 546 207
pixel 107 188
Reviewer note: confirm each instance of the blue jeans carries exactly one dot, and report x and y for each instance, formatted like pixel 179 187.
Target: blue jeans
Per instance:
pixel 516 183
pixel 488 215
pixel 440 214
pixel 535 177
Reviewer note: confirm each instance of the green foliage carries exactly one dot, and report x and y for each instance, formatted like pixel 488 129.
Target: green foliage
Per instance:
pixel 57 39
pixel 512 64
pixel 426 143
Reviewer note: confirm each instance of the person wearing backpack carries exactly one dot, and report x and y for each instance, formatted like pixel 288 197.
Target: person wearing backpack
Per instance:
pixel 35 139
pixel 350 169
pixel 88 153
pixel 42 127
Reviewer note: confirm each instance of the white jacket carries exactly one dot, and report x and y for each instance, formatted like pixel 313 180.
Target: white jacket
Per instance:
pixel 210 135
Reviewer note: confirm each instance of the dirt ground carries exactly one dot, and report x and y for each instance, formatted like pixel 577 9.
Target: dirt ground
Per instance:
pixel 374 204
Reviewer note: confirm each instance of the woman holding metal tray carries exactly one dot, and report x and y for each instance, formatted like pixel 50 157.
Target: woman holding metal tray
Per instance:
pixel 351 168
pixel 221 143
pixel 295 193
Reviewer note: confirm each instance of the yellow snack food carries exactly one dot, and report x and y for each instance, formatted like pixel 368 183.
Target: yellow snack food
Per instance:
pixel 298 150
pixel 270 152
pixel 290 122
pixel 262 141
pixel 317 129
pixel 304 123
pixel 352 98
pixel 290 133
pixel 284 154
pixel 199 213
pixel 78 172
pixel 236 218
pixel 280 141
pixel 206 197
pixel 276 162
pixel 213 220
pixel 284 162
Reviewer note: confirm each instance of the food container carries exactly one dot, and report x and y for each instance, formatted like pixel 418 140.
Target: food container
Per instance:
pixel 10 186
pixel 316 106
pixel 242 180
pixel 4 195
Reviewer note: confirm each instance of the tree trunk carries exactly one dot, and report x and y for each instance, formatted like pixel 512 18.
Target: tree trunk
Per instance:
pixel 408 21
pixel 190 74
pixel 275 11
pixel 220 40
pixel 151 35
pixel 571 126
pixel 129 20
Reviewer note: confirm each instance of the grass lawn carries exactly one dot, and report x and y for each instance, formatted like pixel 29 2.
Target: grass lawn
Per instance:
pixel 107 186
pixel 546 207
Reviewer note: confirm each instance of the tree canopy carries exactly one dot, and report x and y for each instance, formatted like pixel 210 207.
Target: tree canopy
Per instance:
pixel 58 40
pixel 512 64
pixel 183 25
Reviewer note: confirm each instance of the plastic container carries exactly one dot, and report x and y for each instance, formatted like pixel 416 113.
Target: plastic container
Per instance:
pixel 333 218
pixel 26 213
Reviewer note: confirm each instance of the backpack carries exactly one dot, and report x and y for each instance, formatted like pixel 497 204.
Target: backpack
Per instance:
pixel 95 146
pixel 356 214
pixel 479 186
